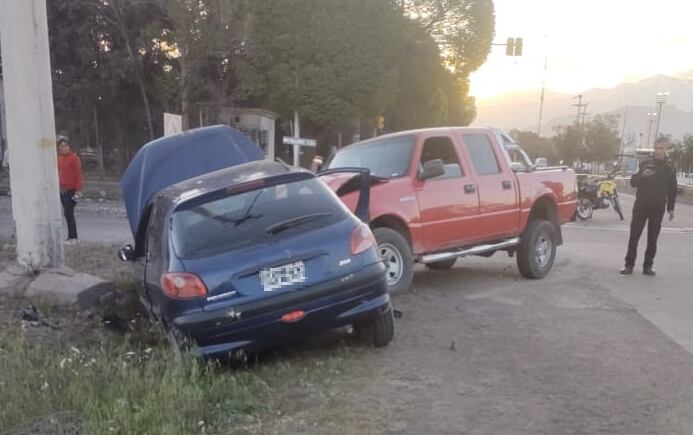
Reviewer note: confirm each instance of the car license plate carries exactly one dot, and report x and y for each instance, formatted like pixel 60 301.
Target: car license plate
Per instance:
pixel 274 278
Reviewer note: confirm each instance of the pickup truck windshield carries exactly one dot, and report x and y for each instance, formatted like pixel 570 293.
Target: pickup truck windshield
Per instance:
pixel 387 158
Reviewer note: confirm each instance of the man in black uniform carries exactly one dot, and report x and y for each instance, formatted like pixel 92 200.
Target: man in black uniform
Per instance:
pixel 656 186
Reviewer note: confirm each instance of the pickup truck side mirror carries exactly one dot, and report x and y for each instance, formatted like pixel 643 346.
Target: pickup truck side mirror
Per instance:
pixel 126 253
pixel 432 169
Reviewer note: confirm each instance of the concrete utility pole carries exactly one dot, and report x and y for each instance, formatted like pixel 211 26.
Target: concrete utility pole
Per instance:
pixel 31 133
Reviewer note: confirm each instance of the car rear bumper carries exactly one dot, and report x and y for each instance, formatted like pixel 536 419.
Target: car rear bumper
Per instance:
pixel 258 325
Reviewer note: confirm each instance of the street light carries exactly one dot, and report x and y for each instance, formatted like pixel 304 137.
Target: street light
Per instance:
pixel 651 116
pixel 661 99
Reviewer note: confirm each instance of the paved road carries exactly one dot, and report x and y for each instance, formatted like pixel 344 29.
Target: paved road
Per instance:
pixel 96 222
pixel 479 350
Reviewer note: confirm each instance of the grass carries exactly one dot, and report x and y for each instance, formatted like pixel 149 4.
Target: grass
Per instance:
pixel 126 390
pixel 85 379
pixel 118 392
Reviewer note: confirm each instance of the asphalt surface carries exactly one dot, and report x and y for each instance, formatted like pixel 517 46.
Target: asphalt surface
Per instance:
pixel 481 350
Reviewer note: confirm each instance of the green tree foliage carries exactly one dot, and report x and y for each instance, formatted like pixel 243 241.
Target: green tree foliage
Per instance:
pixel 681 154
pixel 536 146
pixel 596 141
pixel 127 61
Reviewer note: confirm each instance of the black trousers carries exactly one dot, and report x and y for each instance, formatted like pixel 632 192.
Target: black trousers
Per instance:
pixel 652 214
pixel 66 198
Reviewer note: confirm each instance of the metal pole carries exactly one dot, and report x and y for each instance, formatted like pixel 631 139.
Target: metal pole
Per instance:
pixel 623 133
pixel 541 102
pixel 31 133
pixel 99 146
pixel 659 118
pixel 297 134
pixel 650 121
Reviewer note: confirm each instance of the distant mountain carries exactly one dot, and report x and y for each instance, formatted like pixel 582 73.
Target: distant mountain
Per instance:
pixel 521 110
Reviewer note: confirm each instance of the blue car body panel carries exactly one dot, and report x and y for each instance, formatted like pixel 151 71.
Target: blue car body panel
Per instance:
pixel 169 160
pixel 340 288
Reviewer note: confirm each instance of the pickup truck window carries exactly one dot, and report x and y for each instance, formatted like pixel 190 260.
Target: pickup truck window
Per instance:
pixel 481 153
pixel 442 148
pixel 387 158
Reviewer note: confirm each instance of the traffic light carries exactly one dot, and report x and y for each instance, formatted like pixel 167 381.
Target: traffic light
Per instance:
pixel 518 47
pixel 510 47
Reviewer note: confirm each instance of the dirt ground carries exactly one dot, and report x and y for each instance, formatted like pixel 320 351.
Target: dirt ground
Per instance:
pixel 478 350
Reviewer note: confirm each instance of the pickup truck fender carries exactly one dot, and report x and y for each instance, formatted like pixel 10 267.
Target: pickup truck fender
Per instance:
pixel 543 207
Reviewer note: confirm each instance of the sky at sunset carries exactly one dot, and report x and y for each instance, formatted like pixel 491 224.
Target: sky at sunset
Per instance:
pixel 588 43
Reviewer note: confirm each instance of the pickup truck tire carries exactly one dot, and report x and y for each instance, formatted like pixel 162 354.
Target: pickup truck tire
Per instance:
pixel 379 330
pixel 537 250
pixel 442 265
pixel 395 250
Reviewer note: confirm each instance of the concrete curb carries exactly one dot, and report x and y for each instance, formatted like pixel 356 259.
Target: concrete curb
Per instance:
pixel 59 287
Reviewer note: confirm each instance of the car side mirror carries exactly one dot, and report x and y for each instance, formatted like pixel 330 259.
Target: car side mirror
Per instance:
pixel 126 253
pixel 432 169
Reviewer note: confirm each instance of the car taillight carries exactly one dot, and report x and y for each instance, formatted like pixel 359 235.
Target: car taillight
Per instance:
pixel 183 285
pixel 362 239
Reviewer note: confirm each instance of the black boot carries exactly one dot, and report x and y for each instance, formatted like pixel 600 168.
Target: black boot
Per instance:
pixel 627 270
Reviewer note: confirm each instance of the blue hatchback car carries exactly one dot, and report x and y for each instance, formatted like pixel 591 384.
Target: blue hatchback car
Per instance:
pixel 256 254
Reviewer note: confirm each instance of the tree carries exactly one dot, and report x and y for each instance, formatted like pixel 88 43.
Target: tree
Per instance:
pixel 595 141
pixel 536 146
pixel 332 64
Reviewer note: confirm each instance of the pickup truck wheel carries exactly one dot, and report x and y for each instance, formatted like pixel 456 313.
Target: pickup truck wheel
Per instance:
pixel 442 265
pixel 395 251
pixel 379 330
pixel 537 250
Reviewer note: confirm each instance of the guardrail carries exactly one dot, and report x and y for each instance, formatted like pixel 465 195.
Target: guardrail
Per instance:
pixel 685 191
pixel 685 180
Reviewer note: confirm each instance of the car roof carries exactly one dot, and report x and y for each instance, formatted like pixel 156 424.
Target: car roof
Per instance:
pixel 224 179
pixel 471 129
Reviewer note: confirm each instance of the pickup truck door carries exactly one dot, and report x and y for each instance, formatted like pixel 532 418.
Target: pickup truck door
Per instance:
pixel 497 187
pixel 448 204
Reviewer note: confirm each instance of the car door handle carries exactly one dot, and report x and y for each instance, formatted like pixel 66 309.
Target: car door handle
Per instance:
pixel 469 188
pixel 507 185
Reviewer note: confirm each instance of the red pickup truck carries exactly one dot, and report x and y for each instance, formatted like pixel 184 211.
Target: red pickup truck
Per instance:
pixel 443 193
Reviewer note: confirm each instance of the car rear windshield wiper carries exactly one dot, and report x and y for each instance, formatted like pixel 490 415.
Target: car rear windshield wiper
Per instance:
pixel 290 223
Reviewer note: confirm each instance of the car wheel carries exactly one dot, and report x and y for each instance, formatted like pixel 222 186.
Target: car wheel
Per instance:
pixel 537 250
pixel 377 331
pixel 442 265
pixel 395 251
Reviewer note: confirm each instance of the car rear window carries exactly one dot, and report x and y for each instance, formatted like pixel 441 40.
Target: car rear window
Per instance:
pixel 243 219
pixel 387 158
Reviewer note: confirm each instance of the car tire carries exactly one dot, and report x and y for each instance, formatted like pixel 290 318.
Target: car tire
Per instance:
pixel 395 250
pixel 442 265
pixel 537 250
pixel 379 330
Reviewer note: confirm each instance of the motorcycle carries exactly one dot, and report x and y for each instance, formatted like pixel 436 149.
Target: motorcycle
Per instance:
pixel 598 194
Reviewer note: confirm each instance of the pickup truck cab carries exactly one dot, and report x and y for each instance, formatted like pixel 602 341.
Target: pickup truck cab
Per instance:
pixel 443 193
